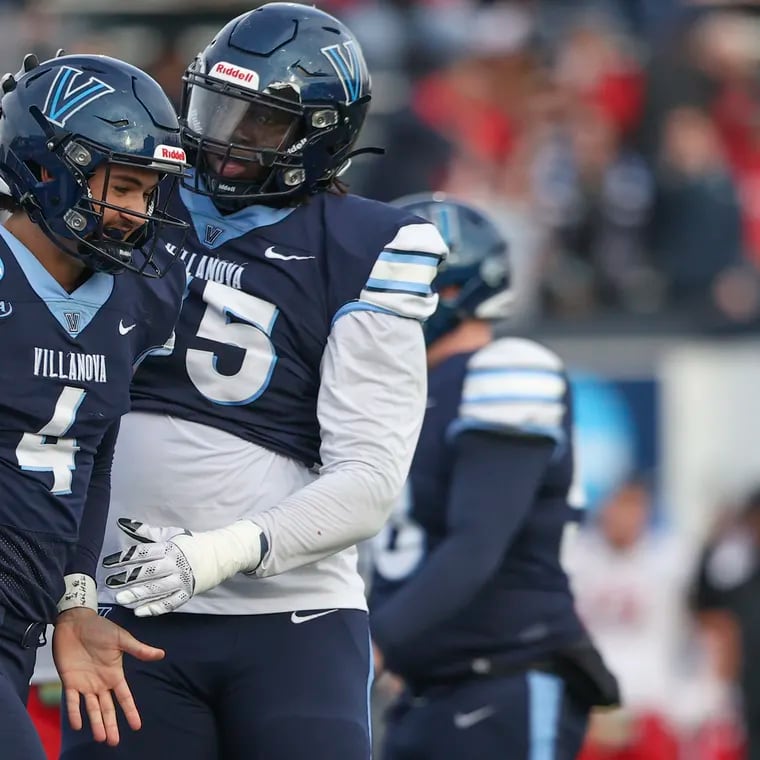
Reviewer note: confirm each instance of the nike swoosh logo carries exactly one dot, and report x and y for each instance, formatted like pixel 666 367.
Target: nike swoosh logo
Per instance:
pixel 469 719
pixel 296 618
pixel 123 329
pixel 270 253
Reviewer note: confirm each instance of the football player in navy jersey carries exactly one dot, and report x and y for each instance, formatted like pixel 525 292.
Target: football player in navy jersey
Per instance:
pixel 280 431
pixel 84 141
pixel 469 603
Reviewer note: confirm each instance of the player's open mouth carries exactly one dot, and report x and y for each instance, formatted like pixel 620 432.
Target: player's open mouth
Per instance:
pixel 228 168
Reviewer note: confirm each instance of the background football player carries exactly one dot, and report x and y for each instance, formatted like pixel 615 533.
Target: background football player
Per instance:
pixel 470 605
pixel 280 431
pixel 83 144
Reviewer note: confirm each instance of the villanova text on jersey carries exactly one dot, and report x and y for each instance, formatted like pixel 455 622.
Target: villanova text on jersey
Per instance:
pixel 68 362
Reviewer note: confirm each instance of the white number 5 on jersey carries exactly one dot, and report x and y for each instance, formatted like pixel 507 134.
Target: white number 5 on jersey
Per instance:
pixel 251 332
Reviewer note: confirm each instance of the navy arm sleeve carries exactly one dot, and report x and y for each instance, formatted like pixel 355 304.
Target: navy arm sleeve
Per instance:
pixel 494 482
pixel 84 559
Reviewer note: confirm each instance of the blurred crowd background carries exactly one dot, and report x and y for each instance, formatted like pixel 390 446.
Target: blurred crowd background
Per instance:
pixel 617 142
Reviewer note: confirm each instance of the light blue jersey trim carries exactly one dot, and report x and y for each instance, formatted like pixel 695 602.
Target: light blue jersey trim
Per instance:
pixel 405 287
pixel 409 258
pixel 461 425
pixel 507 370
pixel 545 700
pixel 85 301
pixel 509 398
pixel 203 212
pixel 152 351
pixel 352 306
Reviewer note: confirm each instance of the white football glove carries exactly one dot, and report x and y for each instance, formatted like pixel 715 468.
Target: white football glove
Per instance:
pixel 171 565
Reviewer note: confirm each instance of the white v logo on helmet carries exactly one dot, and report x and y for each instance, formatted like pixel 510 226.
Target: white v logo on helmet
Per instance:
pixel 66 97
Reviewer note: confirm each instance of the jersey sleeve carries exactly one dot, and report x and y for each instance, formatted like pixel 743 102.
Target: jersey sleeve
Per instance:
pixel 514 386
pixel 401 277
pixel 164 305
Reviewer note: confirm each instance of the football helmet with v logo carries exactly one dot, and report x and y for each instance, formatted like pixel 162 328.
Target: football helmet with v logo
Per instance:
pixel 273 106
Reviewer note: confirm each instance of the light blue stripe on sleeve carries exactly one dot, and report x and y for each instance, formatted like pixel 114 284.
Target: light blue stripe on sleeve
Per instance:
pixel 512 397
pixel 409 258
pixel 461 425
pixel 413 287
pixel 544 702
pixel 513 371
pixel 347 308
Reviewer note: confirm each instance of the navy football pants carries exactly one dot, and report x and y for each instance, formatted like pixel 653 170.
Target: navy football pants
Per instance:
pixel 18 737
pixel 253 687
pixel 527 716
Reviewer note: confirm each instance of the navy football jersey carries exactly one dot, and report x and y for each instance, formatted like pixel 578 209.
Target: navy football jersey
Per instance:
pixel 264 288
pixel 68 359
pixel 513 387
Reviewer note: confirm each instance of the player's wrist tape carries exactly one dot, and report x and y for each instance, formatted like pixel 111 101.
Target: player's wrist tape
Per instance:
pixel 216 555
pixel 80 591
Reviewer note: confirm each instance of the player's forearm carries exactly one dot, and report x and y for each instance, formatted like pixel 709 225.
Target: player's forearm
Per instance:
pixel 336 511
pixel 370 408
pixel 493 485
pixel 92 526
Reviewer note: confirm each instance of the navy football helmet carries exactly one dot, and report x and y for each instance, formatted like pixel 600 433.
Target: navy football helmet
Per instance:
pixel 475 279
pixel 60 120
pixel 272 107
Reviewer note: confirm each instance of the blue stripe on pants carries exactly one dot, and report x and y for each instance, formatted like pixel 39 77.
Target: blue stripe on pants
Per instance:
pixel 545 696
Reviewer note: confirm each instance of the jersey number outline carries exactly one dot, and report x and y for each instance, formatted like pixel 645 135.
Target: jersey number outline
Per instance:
pixel 251 331
pixel 36 452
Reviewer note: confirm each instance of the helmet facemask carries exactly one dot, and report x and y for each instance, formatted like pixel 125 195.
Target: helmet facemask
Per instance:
pixel 250 146
pixel 76 219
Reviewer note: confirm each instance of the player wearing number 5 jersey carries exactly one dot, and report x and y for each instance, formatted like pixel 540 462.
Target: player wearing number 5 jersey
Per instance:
pixel 280 431
pixel 469 603
pixel 84 141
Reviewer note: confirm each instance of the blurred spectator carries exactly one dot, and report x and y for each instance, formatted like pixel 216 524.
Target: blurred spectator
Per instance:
pixel 727 602
pixel 630 583
pixel 468 109
pixel 595 195
pixel 696 229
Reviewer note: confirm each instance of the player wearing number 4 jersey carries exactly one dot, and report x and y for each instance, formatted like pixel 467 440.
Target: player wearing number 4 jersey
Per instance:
pixel 84 141
pixel 280 431
pixel 469 603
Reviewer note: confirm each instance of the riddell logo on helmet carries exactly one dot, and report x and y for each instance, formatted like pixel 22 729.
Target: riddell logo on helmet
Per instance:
pixel 236 74
pixel 170 153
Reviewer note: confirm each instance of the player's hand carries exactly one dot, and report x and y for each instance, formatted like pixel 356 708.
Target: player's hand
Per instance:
pixel 170 565
pixel 88 651
pixel 154 575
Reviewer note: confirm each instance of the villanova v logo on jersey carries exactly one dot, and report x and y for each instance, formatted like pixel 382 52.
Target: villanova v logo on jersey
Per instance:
pixel 72 321
pixel 347 64
pixel 212 233
pixel 70 92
